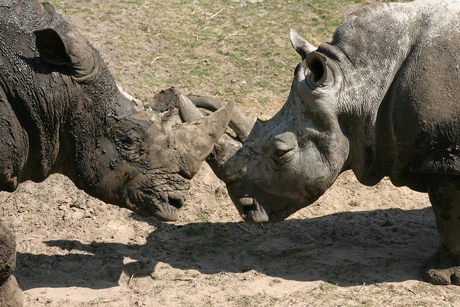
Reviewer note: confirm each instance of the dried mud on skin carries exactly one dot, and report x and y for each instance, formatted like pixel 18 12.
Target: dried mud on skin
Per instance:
pixel 356 246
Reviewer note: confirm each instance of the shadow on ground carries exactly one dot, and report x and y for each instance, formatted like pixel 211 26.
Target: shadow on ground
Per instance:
pixel 348 248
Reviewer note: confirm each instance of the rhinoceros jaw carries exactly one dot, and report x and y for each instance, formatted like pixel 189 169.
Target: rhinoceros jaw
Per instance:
pixel 166 213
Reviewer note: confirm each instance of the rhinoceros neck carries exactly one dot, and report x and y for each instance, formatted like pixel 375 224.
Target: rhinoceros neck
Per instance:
pixel 38 110
pixel 32 97
pixel 37 104
pixel 373 42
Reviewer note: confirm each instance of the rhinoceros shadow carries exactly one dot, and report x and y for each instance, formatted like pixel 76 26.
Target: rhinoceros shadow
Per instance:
pixel 347 248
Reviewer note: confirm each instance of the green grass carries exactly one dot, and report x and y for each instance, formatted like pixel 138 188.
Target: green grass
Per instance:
pixel 236 50
pixel 197 229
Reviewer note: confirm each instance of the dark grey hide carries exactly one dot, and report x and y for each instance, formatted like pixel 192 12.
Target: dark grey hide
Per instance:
pixel 381 99
pixel 61 112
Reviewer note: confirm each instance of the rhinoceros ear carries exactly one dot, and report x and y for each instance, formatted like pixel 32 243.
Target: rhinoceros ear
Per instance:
pixel 300 44
pixel 320 73
pixel 71 50
pixel 51 47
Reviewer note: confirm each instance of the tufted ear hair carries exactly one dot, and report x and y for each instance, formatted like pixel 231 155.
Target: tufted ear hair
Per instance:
pixel 71 50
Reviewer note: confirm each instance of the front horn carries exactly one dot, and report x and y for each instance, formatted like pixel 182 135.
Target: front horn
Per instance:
pixel 241 122
pixel 196 137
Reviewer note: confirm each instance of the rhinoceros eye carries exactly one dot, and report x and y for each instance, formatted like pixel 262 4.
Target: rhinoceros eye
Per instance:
pixel 282 157
pixel 284 146
pixel 130 141
pixel 127 141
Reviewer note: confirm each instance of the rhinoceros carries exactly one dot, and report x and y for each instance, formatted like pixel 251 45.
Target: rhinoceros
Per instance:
pixel 62 112
pixel 382 99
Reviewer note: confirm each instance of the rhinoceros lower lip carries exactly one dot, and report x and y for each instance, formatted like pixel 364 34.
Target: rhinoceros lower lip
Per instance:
pixel 166 213
pixel 252 212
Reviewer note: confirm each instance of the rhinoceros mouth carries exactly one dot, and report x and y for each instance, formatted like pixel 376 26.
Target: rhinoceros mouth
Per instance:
pixel 255 214
pixel 251 211
pixel 158 194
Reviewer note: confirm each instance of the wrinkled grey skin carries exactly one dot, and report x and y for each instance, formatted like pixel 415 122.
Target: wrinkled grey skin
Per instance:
pixel 381 99
pixel 61 112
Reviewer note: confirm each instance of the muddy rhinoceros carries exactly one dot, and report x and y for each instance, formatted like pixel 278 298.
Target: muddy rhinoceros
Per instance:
pixel 61 112
pixel 381 99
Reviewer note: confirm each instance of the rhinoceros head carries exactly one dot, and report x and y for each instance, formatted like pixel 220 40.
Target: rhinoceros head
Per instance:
pixel 121 153
pixel 283 164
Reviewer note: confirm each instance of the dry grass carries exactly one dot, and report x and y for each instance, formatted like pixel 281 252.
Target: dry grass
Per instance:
pixel 236 49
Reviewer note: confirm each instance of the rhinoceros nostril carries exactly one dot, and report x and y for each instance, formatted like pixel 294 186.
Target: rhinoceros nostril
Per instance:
pixel 246 211
pixel 176 200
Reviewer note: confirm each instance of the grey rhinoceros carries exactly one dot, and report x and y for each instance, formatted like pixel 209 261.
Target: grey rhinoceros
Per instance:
pixel 61 112
pixel 381 99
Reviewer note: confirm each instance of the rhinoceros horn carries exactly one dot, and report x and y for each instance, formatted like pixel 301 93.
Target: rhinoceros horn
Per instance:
pixel 241 122
pixel 300 44
pixel 196 138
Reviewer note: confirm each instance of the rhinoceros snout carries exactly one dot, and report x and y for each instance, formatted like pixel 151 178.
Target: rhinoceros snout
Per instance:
pixel 168 209
pixel 163 201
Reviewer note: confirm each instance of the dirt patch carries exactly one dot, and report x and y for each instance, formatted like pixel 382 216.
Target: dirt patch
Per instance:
pixel 356 246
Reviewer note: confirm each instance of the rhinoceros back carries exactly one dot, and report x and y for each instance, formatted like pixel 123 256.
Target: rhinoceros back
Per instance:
pixel 31 91
pixel 402 83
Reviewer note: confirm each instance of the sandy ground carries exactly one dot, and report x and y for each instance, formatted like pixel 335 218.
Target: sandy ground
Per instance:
pixel 356 246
